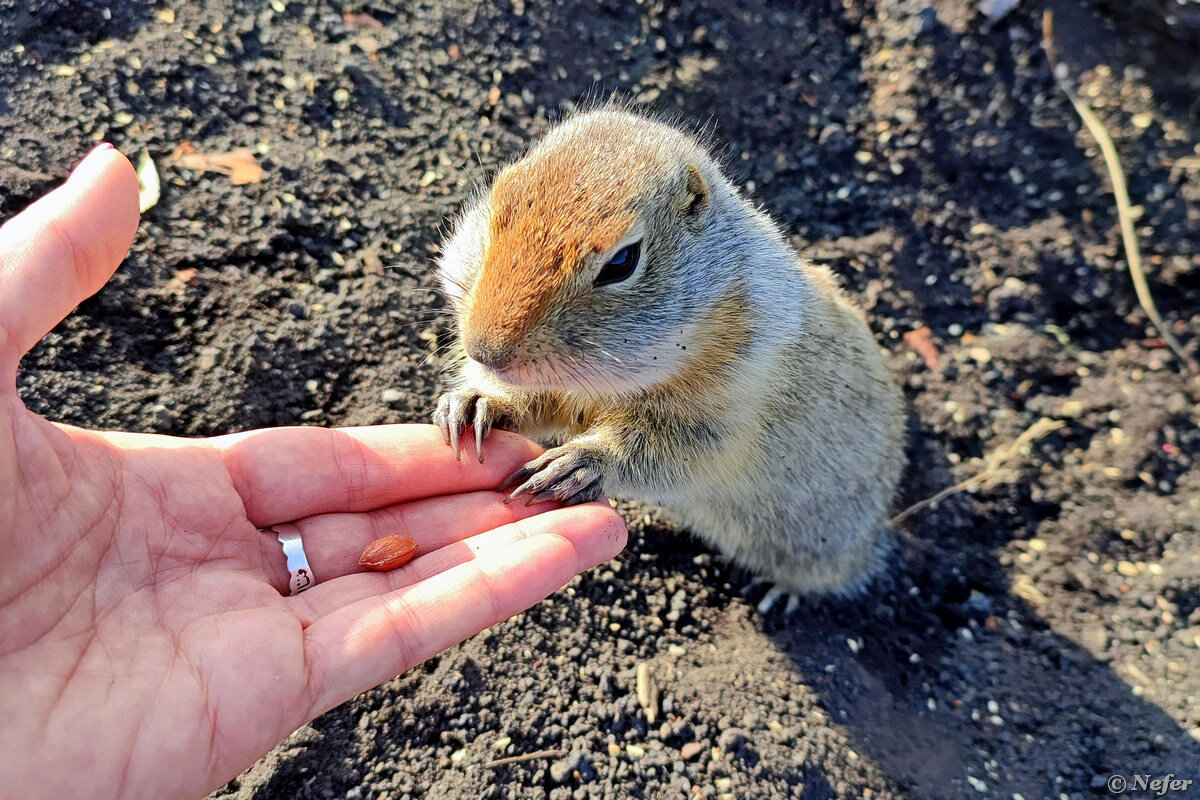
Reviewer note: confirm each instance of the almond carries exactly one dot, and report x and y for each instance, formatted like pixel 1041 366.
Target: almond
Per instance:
pixel 388 552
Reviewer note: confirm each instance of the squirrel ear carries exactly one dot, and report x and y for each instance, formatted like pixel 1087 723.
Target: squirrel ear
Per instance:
pixel 694 197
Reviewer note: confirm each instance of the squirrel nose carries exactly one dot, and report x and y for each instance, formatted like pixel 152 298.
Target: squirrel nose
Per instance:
pixel 490 353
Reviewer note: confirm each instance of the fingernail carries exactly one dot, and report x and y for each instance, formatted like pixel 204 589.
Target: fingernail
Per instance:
pixel 100 148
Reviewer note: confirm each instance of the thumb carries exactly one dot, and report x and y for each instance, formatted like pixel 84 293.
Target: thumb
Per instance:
pixel 63 248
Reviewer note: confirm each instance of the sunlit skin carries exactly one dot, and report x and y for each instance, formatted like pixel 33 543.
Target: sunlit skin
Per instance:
pixel 146 648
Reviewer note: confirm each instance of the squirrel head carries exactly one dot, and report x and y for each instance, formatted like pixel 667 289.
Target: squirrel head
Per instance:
pixel 592 258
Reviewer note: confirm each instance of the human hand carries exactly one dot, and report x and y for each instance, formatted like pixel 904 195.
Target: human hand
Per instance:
pixel 146 649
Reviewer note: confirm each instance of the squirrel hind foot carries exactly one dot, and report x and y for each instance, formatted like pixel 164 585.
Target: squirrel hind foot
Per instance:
pixel 774 595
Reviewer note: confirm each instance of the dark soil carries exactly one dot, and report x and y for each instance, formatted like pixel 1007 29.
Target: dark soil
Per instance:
pixel 1032 637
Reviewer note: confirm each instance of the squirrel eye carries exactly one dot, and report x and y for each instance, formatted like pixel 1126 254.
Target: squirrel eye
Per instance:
pixel 620 266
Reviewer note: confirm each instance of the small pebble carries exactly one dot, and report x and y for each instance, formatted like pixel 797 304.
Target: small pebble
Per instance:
pixel 731 739
pixel 296 308
pixel 560 771
pixel 1071 408
pixel 980 355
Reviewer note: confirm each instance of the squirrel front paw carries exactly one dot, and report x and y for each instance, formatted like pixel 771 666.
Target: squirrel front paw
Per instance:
pixel 570 474
pixel 462 407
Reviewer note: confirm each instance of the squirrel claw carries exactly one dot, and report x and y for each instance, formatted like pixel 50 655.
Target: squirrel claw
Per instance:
pixel 540 497
pixel 463 408
pixel 483 425
pixel 568 474
pixel 518 477
pixel 441 417
pixel 453 411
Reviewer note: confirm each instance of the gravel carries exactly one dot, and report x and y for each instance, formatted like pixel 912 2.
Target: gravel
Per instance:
pixel 1030 638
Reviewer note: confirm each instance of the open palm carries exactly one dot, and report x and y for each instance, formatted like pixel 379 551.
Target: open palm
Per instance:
pixel 146 648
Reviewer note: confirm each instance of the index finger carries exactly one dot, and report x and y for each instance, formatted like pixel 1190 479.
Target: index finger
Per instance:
pixel 284 474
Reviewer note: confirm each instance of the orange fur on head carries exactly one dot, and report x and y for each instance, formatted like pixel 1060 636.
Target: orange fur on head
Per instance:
pixel 570 198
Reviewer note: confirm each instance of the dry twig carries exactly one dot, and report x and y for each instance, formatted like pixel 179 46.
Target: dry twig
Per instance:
pixel 500 762
pixel 1187 162
pixel 1133 255
pixel 996 470
pixel 647 691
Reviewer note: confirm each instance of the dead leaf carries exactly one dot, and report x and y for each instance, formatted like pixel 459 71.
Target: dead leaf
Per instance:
pixel 149 188
pixel 361 20
pixel 921 341
pixel 241 166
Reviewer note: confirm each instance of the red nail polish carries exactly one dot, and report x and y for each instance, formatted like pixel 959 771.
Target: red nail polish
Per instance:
pixel 104 146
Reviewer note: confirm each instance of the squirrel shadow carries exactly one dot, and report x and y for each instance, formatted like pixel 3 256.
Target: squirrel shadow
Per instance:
pixel 938 671
pixel 955 675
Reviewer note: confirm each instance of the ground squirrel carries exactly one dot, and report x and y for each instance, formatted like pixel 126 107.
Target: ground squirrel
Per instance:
pixel 616 295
